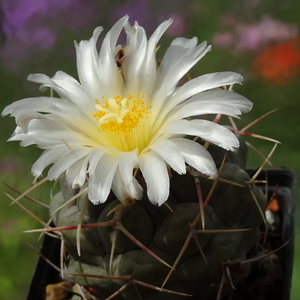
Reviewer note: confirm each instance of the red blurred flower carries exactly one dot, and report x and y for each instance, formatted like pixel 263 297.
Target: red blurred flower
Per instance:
pixel 279 63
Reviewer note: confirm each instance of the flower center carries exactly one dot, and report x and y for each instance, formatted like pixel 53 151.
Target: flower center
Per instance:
pixel 122 120
pixel 113 112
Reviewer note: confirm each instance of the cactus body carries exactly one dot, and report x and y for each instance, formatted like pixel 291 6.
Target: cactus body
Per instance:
pixel 164 230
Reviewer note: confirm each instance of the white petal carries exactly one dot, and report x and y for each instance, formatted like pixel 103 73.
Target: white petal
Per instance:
pixel 220 135
pixel 213 102
pixel 67 88
pixel 66 160
pixel 204 83
pixel 76 173
pixel 127 162
pixel 196 156
pixel 205 107
pixel 224 96
pixel 26 109
pixel 67 113
pixel 94 157
pixel 156 176
pixel 170 154
pixel 179 58
pixel 62 115
pixel 148 71
pixel 22 136
pixel 47 158
pixel 101 181
pixel 209 131
pixel 87 65
pixel 111 79
pixel 114 32
pixel 126 191
pixel 47 133
pixel 184 127
pixel 134 52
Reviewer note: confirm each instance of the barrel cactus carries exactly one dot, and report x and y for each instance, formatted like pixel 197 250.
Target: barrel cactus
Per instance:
pixel 155 202
pixel 136 246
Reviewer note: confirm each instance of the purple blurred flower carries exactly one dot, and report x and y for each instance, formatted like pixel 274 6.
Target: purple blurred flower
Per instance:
pixel 223 39
pixel 30 26
pixel 8 165
pixel 179 25
pixel 254 36
pixel 137 10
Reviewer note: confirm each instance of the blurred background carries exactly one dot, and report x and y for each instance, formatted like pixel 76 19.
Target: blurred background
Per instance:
pixel 257 38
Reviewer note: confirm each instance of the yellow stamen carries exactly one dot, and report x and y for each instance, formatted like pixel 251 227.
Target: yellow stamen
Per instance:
pixel 122 120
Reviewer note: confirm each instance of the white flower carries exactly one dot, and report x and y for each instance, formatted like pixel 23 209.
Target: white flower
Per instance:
pixel 128 112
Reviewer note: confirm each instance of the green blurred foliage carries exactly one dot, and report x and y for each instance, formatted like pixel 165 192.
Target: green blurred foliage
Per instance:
pixel 17 260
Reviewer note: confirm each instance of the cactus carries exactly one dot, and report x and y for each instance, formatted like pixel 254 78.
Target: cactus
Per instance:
pixel 144 212
pixel 136 248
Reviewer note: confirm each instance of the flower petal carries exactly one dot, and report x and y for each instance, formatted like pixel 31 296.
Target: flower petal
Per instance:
pixel 212 102
pixel 94 158
pixel 196 156
pixel 62 111
pixel 127 162
pixel 209 131
pixel 87 65
pixel 205 107
pixel 204 83
pixel 226 97
pixel 66 161
pixel 47 133
pixel 76 173
pixel 147 74
pixel 170 154
pixel 155 173
pixel 47 158
pixel 219 135
pixel 101 181
pixel 179 58
pixel 135 52
pixel 126 192
pixel 111 80
pixel 67 88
